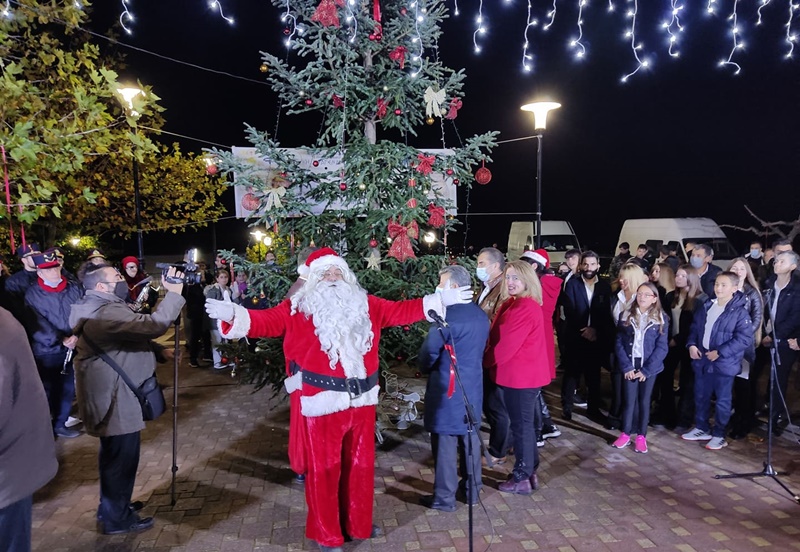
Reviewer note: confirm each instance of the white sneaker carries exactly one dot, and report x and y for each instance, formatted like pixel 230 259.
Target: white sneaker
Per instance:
pixel 73 421
pixel 716 443
pixel 696 435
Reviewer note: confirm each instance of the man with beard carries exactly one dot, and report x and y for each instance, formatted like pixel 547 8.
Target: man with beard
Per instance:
pixel 331 330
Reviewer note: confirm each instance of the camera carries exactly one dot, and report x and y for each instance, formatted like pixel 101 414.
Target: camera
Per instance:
pixel 188 267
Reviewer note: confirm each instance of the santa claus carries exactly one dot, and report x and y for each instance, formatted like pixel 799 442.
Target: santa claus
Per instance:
pixel 332 328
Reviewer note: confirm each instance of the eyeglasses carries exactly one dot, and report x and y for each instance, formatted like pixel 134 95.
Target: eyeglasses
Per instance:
pixel 130 266
pixel 333 273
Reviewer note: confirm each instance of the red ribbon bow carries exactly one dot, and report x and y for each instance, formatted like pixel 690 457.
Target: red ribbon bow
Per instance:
pixel 382 106
pixel 337 101
pixel 455 105
pixel 425 165
pixel 8 205
pixel 326 13
pixel 436 218
pixel 401 234
pixel 399 55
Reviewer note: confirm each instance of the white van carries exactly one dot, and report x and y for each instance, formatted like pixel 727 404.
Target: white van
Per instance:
pixel 558 237
pixel 678 232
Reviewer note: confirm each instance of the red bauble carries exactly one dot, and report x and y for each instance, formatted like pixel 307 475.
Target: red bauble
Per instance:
pixel 456 181
pixel 373 242
pixel 412 202
pixel 406 328
pixel 412 182
pixel 342 186
pixel 403 11
pixel 309 101
pixel 398 111
pixel 224 360
pixel 250 202
pixel 372 36
pixel 287 31
pixel 449 172
pixel 483 175
pixel 315 163
pixel 211 169
pixel 417 374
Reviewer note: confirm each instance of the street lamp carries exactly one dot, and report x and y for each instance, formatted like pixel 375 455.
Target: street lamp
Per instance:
pixel 128 94
pixel 540 110
pixel 258 235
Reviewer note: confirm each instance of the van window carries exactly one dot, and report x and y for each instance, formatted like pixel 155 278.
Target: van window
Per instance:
pixel 558 242
pixel 654 245
pixel 723 250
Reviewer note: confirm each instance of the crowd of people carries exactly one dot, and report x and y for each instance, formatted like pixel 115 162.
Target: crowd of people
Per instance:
pixel 675 337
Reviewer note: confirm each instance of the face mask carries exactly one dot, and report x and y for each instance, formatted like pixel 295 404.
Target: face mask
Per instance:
pixel 696 262
pixel 589 274
pixel 755 253
pixel 438 289
pixel 50 284
pixel 270 263
pixel 121 290
pixel 482 274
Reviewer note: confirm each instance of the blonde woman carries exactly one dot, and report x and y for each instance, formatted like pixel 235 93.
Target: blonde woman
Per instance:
pixel 516 360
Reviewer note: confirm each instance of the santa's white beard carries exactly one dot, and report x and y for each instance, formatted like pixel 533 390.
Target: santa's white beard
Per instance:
pixel 340 313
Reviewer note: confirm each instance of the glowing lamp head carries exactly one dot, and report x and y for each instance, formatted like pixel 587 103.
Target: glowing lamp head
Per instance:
pixel 540 111
pixel 128 94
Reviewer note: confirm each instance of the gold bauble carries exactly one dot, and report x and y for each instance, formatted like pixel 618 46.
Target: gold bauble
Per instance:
pixel 264 68
pixel 430 120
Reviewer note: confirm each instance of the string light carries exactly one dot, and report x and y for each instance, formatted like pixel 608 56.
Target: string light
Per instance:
pixel 734 19
pixel 552 15
pixel 417 39
pixel 791 38
pixel 480 29
pixel 577 42
pixel 455 11
pixel 764 4
pixel 126 16
pixel 216 4
pixel 711 7
pixel 634 47
pixel 611 7
pixel 526 57
pixel 351 19
pixel 674 23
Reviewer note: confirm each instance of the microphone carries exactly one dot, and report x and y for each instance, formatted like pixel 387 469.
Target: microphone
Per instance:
pixel 436 318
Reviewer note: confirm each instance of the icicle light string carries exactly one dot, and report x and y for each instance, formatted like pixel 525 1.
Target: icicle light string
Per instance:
pixel 711 7
pixel 791 38
pixel 351 19
pixel 611 7
pixel 632 35
pixel 289 19
pixel 217 5
pixel 734 19
pixel 764 4
pixel 416 40
pixel 126 16
pixel 576 43
pixel 527 58
pixel 552 15
pixel 479 29
pixel 674 23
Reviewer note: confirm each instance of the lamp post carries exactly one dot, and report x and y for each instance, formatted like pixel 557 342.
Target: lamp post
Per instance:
pixel 539 110
pixel 128 94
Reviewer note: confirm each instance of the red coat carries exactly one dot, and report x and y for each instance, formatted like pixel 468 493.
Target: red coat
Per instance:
pixel 302 346
pixel 551 287
pixel 516 355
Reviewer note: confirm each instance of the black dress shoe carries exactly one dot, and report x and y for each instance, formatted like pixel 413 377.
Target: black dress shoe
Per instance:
pixel 134 526
pixel 66 432
pixel 429 501
pixel 566 415
pixel 134 507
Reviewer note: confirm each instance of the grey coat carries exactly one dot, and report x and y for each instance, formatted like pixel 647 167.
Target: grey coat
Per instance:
pixel 107 406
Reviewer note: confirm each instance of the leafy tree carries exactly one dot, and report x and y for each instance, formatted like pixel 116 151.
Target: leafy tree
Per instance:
pixel 373 80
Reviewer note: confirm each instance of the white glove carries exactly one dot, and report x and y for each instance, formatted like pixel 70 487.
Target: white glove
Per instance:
pixel 220 310
pixel 456 296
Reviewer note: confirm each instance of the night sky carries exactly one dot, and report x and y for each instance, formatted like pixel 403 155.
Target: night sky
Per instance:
pixel 683 138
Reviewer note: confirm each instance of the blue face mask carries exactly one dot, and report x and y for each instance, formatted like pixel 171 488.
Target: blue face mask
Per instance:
pixel 482 274
pixel 696 262
pixel 755 253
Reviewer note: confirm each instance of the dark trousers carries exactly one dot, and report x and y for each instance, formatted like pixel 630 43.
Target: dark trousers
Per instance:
pixel 521 404
pixel 786 358
pixel 450 459
pixel 618 390
pixel 745 394
pixel 686 402
pixel 664 389
pixel 15 526
pixel 118 461
pixel 582 358
pixel 494 408
pixel 60 388
pixel 541 416
pixel 198 338
pixel 636 414
pixel 706 385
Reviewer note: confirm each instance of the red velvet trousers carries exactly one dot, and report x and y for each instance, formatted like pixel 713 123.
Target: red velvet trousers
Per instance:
pixel 297 436
pixel 340 464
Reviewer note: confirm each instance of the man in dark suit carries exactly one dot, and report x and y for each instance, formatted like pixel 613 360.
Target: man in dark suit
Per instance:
pixel 444 404
pixel 588 334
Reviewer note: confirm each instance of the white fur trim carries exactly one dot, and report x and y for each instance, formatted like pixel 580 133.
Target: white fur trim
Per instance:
pixel 433 302
pixel 293 383
pixel 328 402
pixel 328 260
pixel 303 270
pixel 240 326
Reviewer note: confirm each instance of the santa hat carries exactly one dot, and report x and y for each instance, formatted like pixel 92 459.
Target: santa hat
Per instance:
pixel 129 259
pixel 325 257
pixel 539 256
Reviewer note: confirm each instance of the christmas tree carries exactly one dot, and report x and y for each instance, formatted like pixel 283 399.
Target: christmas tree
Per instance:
pixel 371 70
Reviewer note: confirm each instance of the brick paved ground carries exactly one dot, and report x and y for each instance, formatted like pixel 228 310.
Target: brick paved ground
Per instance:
pixel 235 491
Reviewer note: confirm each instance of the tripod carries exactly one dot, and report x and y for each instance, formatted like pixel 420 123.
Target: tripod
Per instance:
pixel 768 470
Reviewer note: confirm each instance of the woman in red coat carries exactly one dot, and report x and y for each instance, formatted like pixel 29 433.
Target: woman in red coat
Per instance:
pixel 516 357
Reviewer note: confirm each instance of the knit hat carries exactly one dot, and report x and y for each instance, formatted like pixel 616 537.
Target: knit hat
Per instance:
pixel 28 250
pixel 129 259
pixel 95 254
pixel 323 257
pixel 47 259
pixel 539 256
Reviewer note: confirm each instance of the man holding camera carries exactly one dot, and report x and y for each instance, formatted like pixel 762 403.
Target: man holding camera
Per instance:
pixel 109 408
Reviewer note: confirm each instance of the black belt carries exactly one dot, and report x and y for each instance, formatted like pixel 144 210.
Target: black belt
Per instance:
pixel 354 387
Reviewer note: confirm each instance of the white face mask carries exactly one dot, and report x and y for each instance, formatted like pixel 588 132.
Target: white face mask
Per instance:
pixel 482 274
pixel 438 289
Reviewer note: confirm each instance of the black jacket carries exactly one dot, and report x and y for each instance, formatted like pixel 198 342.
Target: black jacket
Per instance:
pixel 707 280
pixel 787 317
pixel 48 324
pixel 16 286
pixel 578 313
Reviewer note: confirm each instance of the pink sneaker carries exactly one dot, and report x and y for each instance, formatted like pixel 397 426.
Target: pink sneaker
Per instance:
pixel 622 441
pixel 641 444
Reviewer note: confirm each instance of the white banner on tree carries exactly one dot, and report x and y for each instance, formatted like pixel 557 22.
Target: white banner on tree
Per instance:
pixel 251 202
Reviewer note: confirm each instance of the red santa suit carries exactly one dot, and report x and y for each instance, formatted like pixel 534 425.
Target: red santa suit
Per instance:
pixel 337 406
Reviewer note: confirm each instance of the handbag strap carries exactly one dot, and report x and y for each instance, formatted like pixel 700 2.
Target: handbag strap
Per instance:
pixel 115 366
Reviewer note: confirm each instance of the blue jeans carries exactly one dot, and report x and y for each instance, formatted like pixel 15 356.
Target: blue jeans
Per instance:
pixel 15 526
pixel 706 384
pixel 636 414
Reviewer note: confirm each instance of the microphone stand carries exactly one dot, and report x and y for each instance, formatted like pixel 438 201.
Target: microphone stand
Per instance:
pixel 175 408
pixel 471 425
pixel 768 470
